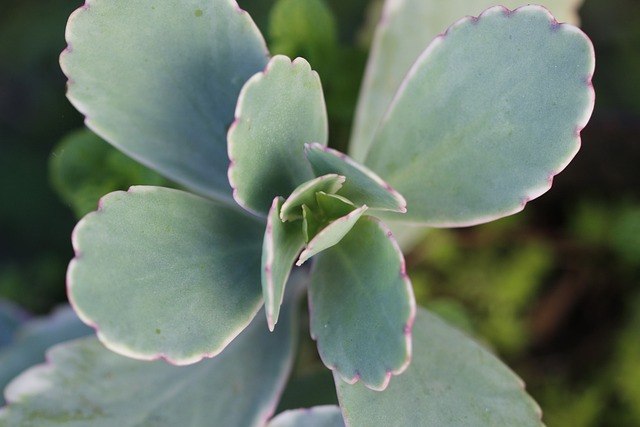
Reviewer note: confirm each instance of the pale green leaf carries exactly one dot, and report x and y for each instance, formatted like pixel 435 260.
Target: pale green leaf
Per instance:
pixel 86 385
pixel 487 116
pixel 362 186
pixel 34 337
pixel 305 194
pixel 164 273
pixel 362 306
pixel 279 110
pixel 331 234
pixel 451 382
pixel 283 241
pixel 160 81
pixel 405 29
pixel 318 416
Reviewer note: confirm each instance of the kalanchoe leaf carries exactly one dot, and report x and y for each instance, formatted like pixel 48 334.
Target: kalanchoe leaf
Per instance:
pixel 160 81
pixel 331 234
pixel 413 24
pixel 362 185
pixel 278 111
pixel 164 273
pixel 362 306
pixel 34 337
pixel 305 194
pixel 85 384
pixel 451 382
pixel 283 242
pixel 318 416
pixel 333 205
pixel 487 140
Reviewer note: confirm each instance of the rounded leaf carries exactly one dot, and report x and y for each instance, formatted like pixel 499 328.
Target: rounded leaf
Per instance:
pixel 489 113
pixel 452 382
pixel 279 110
pixel 164 273
pixel 362 306
pixel 160 80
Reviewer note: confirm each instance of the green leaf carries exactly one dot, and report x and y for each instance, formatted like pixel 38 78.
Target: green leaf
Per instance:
pixel 362 306
pixel 318 416
pixel 84 168
pixel 304 27
pixel 331 234
pixel 404 31
pixel 34 337
pixel 362 186
pixel 451 382
pixel 283 241
pixel 487 116
pixel 279 110
pixel 305 194
pixel 84 384
pixel 160 81
pixel 164 273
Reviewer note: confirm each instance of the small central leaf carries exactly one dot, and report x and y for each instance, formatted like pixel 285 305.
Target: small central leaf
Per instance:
pixel 305 194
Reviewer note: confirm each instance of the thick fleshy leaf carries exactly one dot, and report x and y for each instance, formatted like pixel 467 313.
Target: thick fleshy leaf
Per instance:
pixel 34 337
pixel 452 382
pixel 362 186
pixel 11 317
pixel 305 194
pixel 413 24
pixel 331 234
pixel 199 54
pixel 164 273
pixel 362 306
pixel 278 111
pixel 283 241
pixel 487 116
pixel 318 416
pixel 85 384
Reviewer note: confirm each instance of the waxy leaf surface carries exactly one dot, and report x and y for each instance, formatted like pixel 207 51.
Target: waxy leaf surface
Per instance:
pixel 451 382
pixel 34 337
pixel 331 234
pixel 405 29
pixel 318 416
pixel 85 384
pixel 283 241
pixel 362 306
pixel 164 273
pixel 305 194
pixel 279 110
pixel 160 81
pixel 486 117
pixel 362 186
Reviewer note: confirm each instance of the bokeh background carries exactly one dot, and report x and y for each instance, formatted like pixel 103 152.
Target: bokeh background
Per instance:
pixel 554 290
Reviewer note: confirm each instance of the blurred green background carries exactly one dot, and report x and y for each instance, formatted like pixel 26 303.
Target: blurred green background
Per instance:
pixel 554 290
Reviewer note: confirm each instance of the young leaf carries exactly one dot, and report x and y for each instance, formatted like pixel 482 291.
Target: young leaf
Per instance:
pixel 331 234
pixel 451 382
pixel 362 186
pixel 283 241
pixel 278 111
pixel 412 25
pixel 305 194
pixel 469 144
pixel 318 416
pixel 164 273
pixel 362 306
pixel 160 81
pixel 85 384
